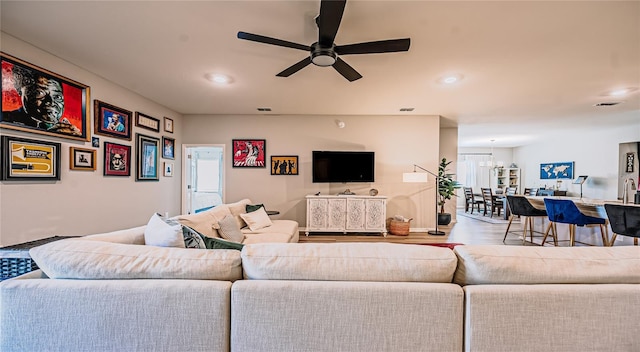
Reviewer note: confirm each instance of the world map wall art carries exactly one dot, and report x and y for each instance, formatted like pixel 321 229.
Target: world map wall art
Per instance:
pixel 553 171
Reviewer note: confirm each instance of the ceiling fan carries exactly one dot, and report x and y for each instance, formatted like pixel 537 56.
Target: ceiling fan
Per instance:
pixel 325 52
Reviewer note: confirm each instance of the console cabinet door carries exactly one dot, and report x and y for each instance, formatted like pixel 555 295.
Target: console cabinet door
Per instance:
pixel 356 213
pixel 376 214
pixel 336 214
pixel 317 213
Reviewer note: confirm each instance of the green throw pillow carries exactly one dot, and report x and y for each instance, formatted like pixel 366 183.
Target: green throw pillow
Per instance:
pixel 192 238
pixel 219 243
pixel 249 208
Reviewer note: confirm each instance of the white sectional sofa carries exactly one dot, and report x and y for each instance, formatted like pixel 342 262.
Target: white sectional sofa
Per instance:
pixel 106 293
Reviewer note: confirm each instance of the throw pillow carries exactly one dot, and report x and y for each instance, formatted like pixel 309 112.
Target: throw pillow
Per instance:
pixel 257 220
pixel 219 243
pixel 253 207
pixel 238 208
pixel 229 229
pixel 163 233
pixel 192 239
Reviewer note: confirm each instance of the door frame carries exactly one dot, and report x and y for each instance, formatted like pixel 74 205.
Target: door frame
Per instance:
pixel 186 160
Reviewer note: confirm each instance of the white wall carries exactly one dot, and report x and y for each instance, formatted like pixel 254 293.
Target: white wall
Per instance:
pixel 84 202
pixel 595 154
pixel 398 141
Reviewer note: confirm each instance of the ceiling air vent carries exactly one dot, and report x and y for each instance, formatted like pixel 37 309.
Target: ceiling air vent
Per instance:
pixel 406 109
pixel 264 109
pixel 608 103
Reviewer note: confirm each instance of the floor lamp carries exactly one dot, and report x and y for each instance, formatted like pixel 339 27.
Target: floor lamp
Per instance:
pixel 422 177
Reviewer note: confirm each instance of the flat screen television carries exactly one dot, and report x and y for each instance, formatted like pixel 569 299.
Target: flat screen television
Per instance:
pixel 343 166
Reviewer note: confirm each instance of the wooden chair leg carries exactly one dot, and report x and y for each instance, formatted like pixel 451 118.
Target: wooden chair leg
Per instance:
pixel 572 235
pixel 555 235
pixel 546 233
pixel 613 239
pixel 605 242
pixel 508 226
pixel 635 241
pixel 531 228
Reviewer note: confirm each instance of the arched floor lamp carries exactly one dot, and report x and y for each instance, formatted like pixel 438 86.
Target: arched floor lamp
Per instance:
pixel 423 177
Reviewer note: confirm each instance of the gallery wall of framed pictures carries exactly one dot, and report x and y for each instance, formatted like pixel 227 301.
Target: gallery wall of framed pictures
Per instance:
pixel 70 118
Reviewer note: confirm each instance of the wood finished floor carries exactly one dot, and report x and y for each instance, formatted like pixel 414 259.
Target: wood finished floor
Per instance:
pixel 465 230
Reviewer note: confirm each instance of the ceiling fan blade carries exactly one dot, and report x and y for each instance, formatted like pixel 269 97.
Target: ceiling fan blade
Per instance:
pixel 272 41
pixel 329 20
pixel 382 46
pixel 295 67
pixel 346 71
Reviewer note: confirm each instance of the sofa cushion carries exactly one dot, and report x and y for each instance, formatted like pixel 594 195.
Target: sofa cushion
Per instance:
pixel 257 219
pixel 348 262
pixel 267 237
pixel 229 229
pixel 205 222
pixel 192 239
pixel 498 264
pixel 163 233
pixel 82 259
pixel 134 235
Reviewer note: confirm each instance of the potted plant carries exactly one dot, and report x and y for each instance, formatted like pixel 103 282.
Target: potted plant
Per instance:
pixel 446 189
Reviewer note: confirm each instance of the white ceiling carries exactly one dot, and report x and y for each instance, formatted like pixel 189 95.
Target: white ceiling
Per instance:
pixel 530 68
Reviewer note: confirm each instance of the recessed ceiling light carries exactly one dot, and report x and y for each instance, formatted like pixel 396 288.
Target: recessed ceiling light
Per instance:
pixel 450 79
pixel 218 78
pixel 619 92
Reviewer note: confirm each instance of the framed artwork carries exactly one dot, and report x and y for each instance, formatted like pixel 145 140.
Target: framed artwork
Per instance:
pixel 117 159
pixel 168 125
pixel 82 159
pixel 630 160
pixel 112 121
pixel 147 152
pixel 553 171
pixel 168 169
pixel 148 122
pixel 40 101
pixel 95 142
pixel 284 164
pixel 168 147
pixel 249 152
pixel 28 160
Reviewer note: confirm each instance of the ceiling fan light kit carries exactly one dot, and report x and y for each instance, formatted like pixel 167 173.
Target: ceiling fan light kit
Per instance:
pixel 324 52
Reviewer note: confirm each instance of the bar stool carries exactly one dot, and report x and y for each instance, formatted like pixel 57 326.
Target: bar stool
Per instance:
pixel 624 220
pixel 520 206
pixel 565 211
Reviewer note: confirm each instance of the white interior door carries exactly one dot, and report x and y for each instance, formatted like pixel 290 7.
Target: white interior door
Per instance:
pixel 203 177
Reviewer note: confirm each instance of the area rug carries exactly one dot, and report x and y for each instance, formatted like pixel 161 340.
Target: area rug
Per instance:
pixel 493 220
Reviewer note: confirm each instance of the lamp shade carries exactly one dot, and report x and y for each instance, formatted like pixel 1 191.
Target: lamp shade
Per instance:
pixel 415 177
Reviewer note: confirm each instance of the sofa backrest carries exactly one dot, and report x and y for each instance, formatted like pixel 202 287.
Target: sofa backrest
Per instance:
pixel 83 259
pixel 498 264
pixel 348 262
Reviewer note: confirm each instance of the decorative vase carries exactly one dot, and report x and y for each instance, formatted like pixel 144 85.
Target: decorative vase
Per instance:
pixel 444 218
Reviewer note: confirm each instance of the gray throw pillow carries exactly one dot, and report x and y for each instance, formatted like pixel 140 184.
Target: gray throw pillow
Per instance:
pixel 229 229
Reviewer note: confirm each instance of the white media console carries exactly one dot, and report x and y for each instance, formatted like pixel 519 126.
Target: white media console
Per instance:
pixel 346 213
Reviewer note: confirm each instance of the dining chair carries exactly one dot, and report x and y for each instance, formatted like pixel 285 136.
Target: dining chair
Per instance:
pixel 511 191
pixel 471 200
pixel 491 202
pixel 530 191
pixel 565 211
pixel 520 206
pixel 624 220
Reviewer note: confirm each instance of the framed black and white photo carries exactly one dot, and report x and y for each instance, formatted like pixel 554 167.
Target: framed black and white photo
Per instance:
pixel 82 159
